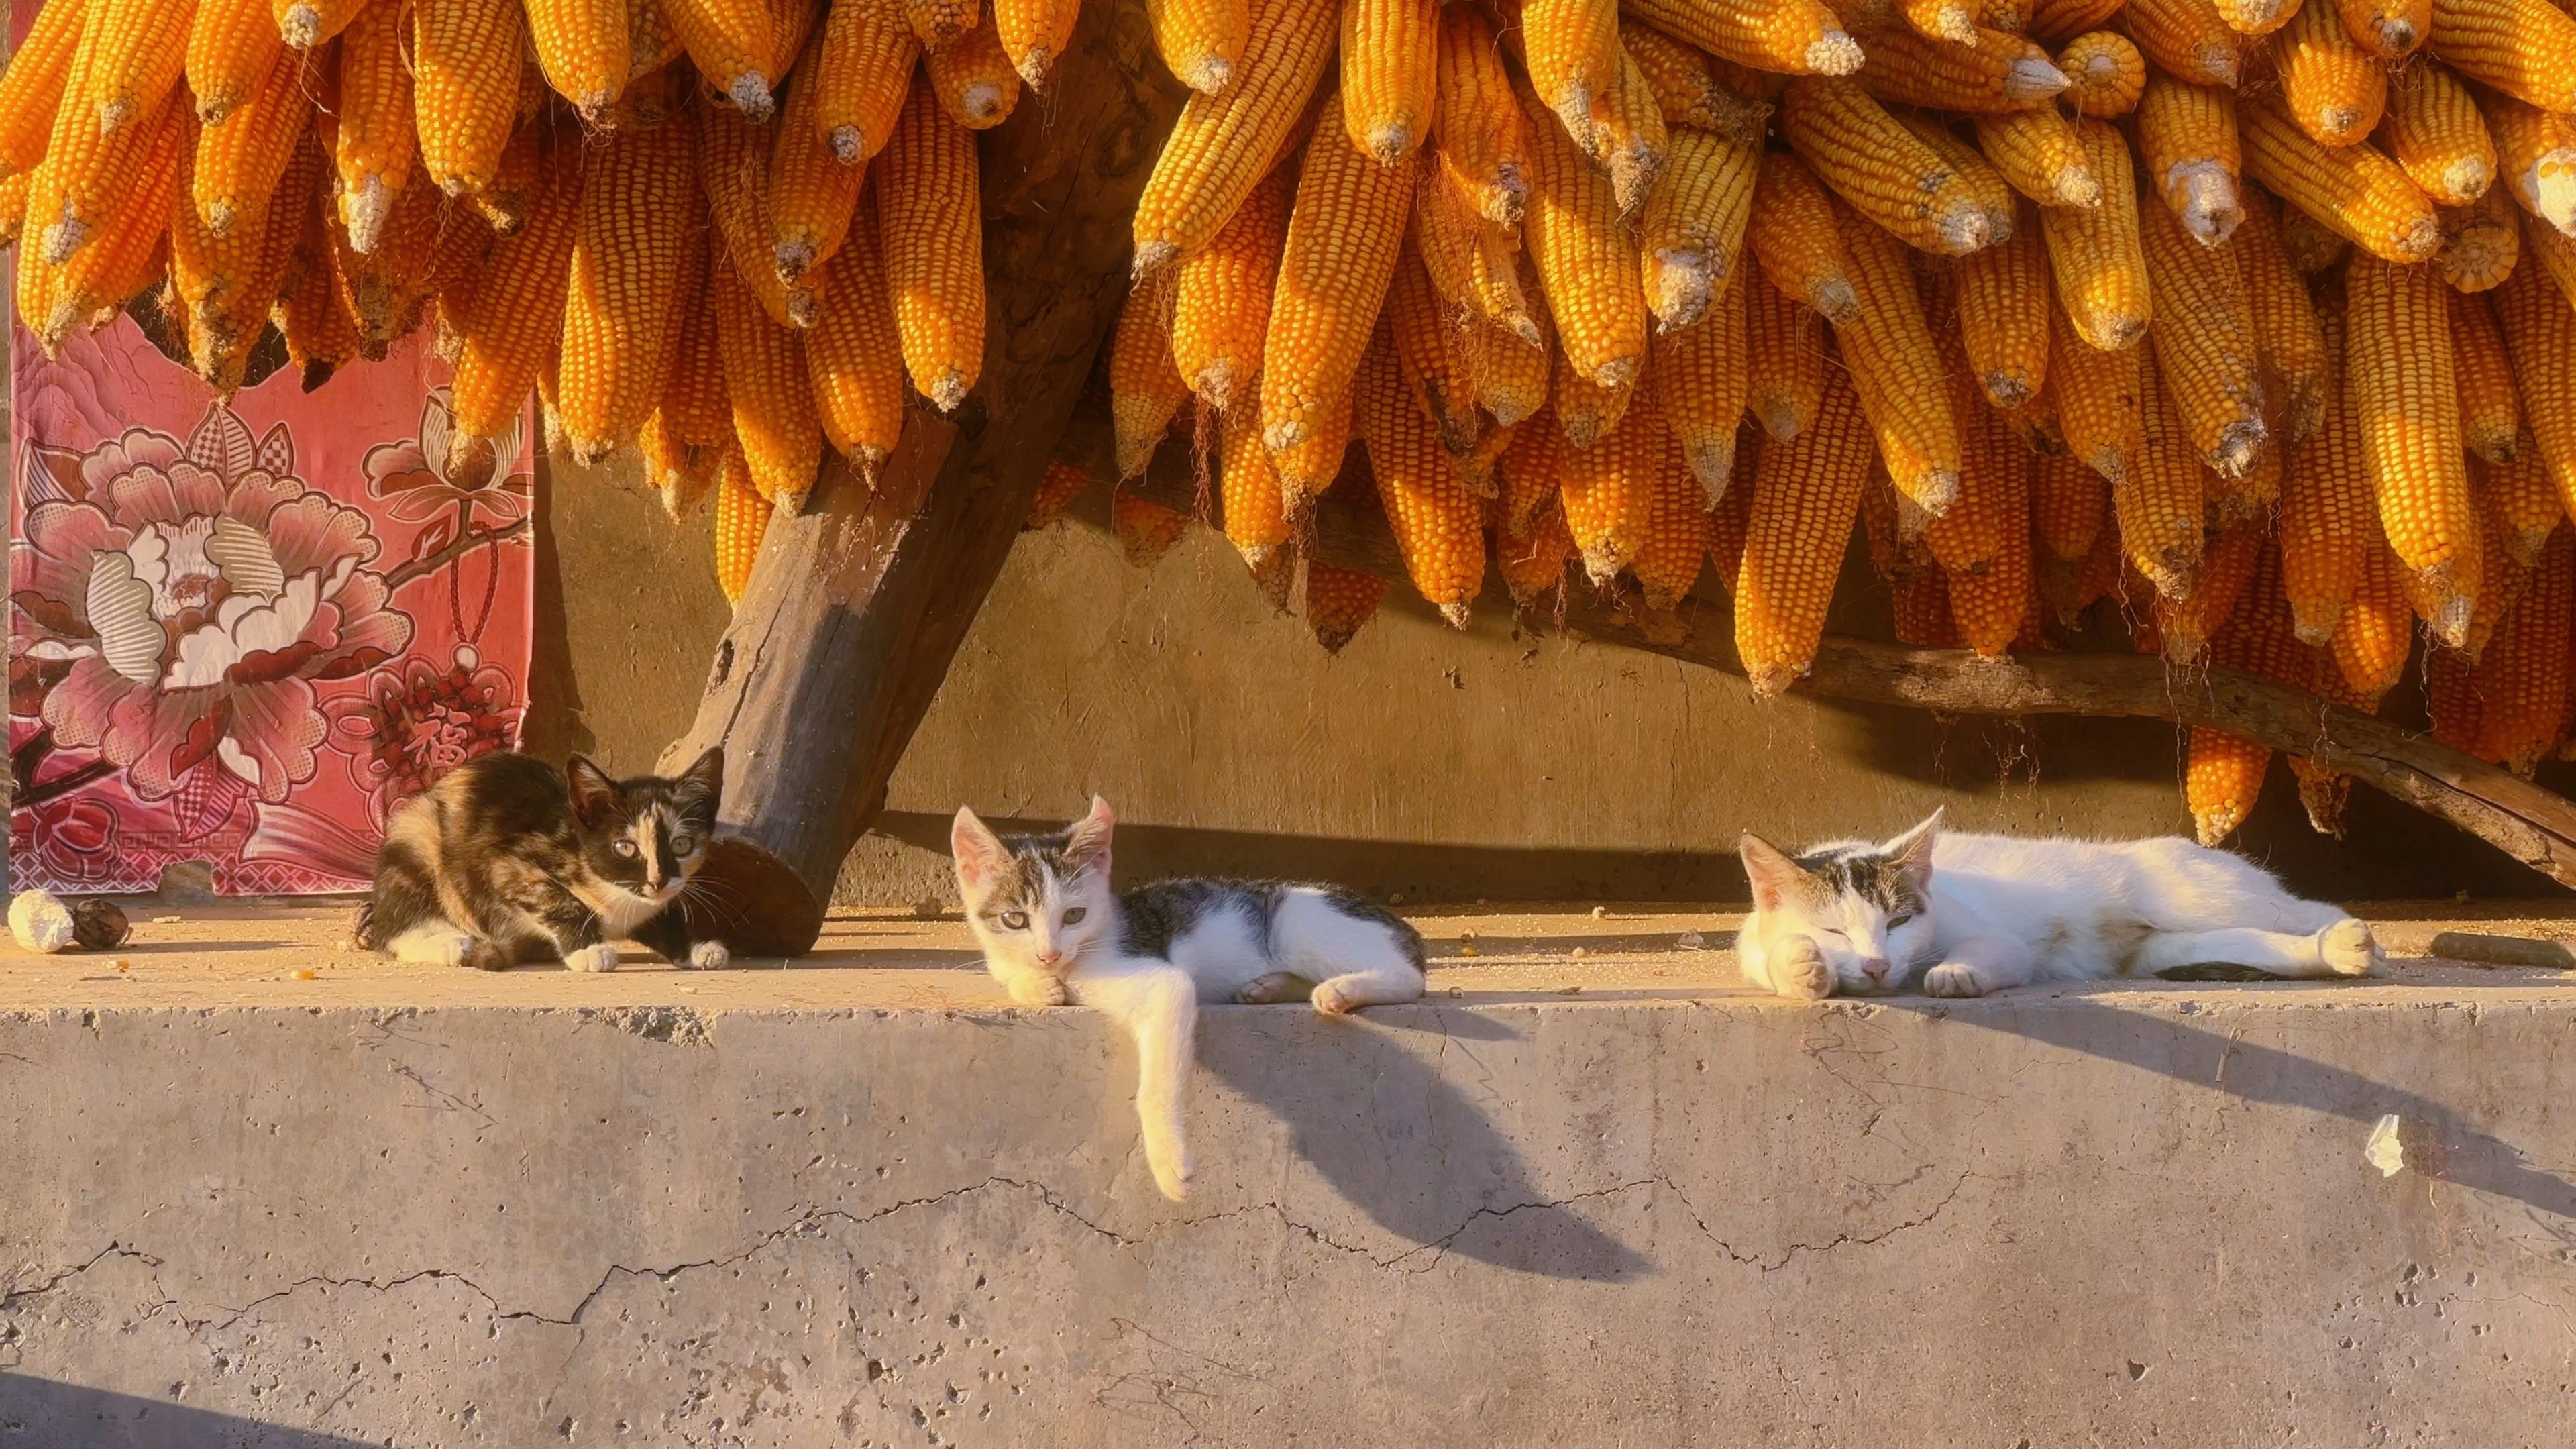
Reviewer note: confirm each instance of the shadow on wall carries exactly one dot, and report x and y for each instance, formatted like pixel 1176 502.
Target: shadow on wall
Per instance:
pixel 43 1412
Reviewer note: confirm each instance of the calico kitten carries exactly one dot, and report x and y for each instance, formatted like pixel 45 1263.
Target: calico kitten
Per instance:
pixel 1989 912
pixel 1053 933
pixel 505 860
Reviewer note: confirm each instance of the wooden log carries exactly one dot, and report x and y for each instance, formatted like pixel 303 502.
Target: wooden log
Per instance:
pixel 2534 826
pixel 857 605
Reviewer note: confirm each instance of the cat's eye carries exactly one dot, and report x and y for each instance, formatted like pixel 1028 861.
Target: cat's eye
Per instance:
pixel 683 844
pixel 1074 916
pixel 1015 920
pixel 626 848
pixel 1895 921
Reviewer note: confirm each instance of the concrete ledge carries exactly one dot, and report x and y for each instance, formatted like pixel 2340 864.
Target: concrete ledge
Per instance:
pixel 1646 1214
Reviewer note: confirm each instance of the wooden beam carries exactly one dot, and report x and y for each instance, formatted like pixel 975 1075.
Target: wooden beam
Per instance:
pixel 2534 826
pixel 856 606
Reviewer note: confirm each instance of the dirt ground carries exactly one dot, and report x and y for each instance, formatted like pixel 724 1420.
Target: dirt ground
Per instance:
pixel 243 954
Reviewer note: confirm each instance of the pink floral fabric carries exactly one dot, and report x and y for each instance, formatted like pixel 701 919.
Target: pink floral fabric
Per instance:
pixel 245 633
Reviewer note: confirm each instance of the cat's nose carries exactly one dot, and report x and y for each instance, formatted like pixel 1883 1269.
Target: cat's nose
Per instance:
pixel 1050 958
pixel 1875 969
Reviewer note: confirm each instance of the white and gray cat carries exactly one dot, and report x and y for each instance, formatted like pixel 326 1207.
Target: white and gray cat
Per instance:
pixel 1980 913
pixel 1053 933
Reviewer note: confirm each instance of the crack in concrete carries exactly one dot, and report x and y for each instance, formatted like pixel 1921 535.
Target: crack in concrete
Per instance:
pixel 1838 1240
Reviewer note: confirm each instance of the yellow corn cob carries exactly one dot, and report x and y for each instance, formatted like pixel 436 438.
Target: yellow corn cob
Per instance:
pixel 1896 370
pixel 1882 168
pixel 2335 90
pixel 2329 522
pixel 1034 33
pixel 861 76
pixel 680 473
pixel 510 316
pixel 88 289
pixel 1991 604
pixel 2206 352
pixel 2310 247
pixel 2540 334
pixel 2377 632
pixel 1785 359
pixel 2041 156
pixel 2160 501
pixel 1996 73
pixel 1805 492
pixel 931 222
pixel 1688 89
pixel 1585 410
pixel 694 401
pixel 2356 191
pixel 2055 21
pixel 428 248
pixel 2286 334
pixel 1308 467
pixel 1976 177
pixel 2036 422
pixel 2188 142
pixel 1438 524
pixel 32 90
pixel 1792 37
pixel 2105 75
pixel 2481 242
pixel 1256 521
pixel 1694 225
pixel 1058 487
pixel 2521 504
pixel 1146 530
pixel 466 57
pixel 1587 267
pixel 13 209
pixel 811 193
pixel 1952 20
pixel 1510 374
pixel 2181 627
pixel 1221 297
pixel 734 44
pixel 1571 50
pixel 1390 52
pixel 2095 255
pixel 973 78
pixel 131 56
pixel 852 355
pixel 2100 400
pixel 772 397
pixel 2437 137
pixel 584 48
pixel 2390 29
pixel 1339 602
pixel 1699 381
pixel 742 521
pixel 373 140
pixel 2537 153
pixel 2223 779
pixel 1727 523
pixel 2521 680
pixel 1223 144
pixel 1533 563
pixel 2405 401
pixel 1608 488
pixel 240 161
pixel 2188 39
pixel 1145 389
pixel 633 241
pixel 1474 263
pixel 2553 253
pixel 2490 403
pixel 2069 503
pixel 504 200
pixel 321 336
pixel 2524 48
pixel 2071 589
pixel 2257 17
pixel 1970 533
pixel 733 169
pixel 652 44
pixel 1429 359
pixel 1626 136
pixel 305 24
pixel 1668 563
pixel 1797 238
pixel 230 46
pixel 2501 581
pixel 2003 304
pixel 1484 144
pixel 1202 42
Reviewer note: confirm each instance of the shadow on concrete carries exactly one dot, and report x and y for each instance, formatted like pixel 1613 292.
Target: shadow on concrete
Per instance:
pixel 42 1412
pixel 2438 1142
pixel 1401 1142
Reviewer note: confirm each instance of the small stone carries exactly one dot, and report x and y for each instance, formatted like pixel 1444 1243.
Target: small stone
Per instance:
pixel 1569 991
pixel 1467 948
pixel 1396 900
pixel 1691 941
pixel 40 922
pixel 1580 953
pixel 688 991
pixel 307 973
pixel 124 965
pixel 98 925
pixel 1468 934
pixel 1600 913
pixel 1457 993
pixel 167 920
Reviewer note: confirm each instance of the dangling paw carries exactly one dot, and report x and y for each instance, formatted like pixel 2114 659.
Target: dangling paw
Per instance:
pixel 2350 948
pixel 1036 988
pixel 1263 990
pixel 602 957
pixel 1953 978
pixel 708 956
pixel 1802 974
pixel 1172 1174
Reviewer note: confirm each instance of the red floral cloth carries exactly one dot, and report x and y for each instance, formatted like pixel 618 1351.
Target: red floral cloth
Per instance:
pixel 242 634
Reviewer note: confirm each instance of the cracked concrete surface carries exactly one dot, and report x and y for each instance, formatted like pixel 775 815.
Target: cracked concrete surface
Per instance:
pixel 2112 1217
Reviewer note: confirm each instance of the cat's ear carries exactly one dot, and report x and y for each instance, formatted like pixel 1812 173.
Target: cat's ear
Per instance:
pixel 978 851
pixel 1912 851
pixel 1086 845
pixel 594 795
pixel 1773 873
pixel 703 782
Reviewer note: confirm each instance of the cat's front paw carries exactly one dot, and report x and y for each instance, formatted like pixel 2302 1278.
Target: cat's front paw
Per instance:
pixel 2350 948
pixel 1953 978
pixel 602 957
pixel 708 956
pixel 1172 1174
pixel 1802 973
pixel 1263 990
pixel 1037 990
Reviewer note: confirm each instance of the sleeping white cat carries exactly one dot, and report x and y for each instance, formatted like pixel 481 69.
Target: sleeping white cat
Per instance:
pixel 1980 913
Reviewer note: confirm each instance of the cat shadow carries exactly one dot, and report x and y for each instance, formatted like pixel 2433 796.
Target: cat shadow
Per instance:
pixel 1401 1141
pixel 53 1412
pixel 2439 1142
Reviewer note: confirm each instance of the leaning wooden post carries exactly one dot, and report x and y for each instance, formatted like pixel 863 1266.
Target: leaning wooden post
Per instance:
pixel 857 605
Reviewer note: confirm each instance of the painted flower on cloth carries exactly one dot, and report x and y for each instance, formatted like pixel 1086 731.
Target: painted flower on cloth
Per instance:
pixel 415 722
pixel 196 594
pixel 416 490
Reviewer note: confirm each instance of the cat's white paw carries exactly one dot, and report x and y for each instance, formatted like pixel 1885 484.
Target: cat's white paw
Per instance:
pixel 1953 978
pixel 709 956
pixel 1802 973
pixel 455 950
pixel 602 957
pixel 1263 990
pixel 1035 989
pixel 2350 948
pixel 1337 997
pixel 1173 1176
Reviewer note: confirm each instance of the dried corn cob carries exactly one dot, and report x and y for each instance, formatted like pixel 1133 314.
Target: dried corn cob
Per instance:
pixel 2537 152
pixel 1805 492
pixel 1202 41
pixel 1585 410
pixel 853 356
pixel 742 523
pixel 583 47
pixel 2335 90
pixel 128 63
pixel 2391 29
pixel 1977 177
pixel 1221 297
pixel 1571 50
pixel 1608 489
pixel 2100 400
pixel 2182 625
pixel 2187 137
pixel 1530 470
pixel 1626 136
pixel 86 290
pixel 1146 530
pixel 2522 680
pixel 2377 632
pixel 373 140
pixel 1484 141
pixel 32 90
pixel 2041 156
pixel 2160 503
pixel 2329 521
pixel 2520 504
pixel 1256 521
pixel 2540 334
pixel 931 225
pixel 2205 354
pixel 2095 256
pixel 1994 74
pixel 1668 565
pixel 2524 48
pixel 2490 403
pixel 2552 253
pixel 2055 21
pixel 1882 168
pixel 2189 39
pixel 1785 358
pixel 2437 137
pixel 766 382
pixel 861 76
pixel 321 336
pixel 2481 242
pixel 1950 20
pixel 811 193
pixel 1390 50
pixel 305 24
pixel 1145 389
pixel 1586 265
pixel 1311 465
pixel 1699 381
pixel 1223 144
pixel 1510 374
pixel 231 44
pixel 2003 304
pixel 1689 90
pixel 633 243
pixel 1034 34
pixel 973 78
pixel 466 56
pixel 2286 333
pixel 1793 37
pixel 239 162
pixel 1896 371
pixel 734 44
pixel 1473 262
pixel 1339 602
pixel 733 168
pixel 2105 75
pixel 1694 226
pixel 510 316
pixel 2406 403
pixel 1727 523
pixel 1990 603
pixel 504 200
pixel 1798 240
pixel 2069 503
pixel 2354 190
pixel 1534 563
pixel 2223 779
pixel 1438 524
pixel 1429 360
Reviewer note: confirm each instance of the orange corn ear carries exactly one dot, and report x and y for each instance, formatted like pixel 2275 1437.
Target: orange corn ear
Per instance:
pixel 931 223
pixel 230 46
pixel 320 334
pixel 694 401
pixel 2069 503
pixel 1510 374
pixel 240 161
pixel 1694 225
pixel 504 200
pixel 2160 501
pixel 2377 633
pixel 1898 374
pixel 2490 403
pixel 2187 137
pixel 1608 489
pixel 2096 256
pixel 1785 359
pixel 811 193
pixel 1883 169
pixel 1991 602
pixel 2391 29
pixel 1533 563
pixel 1034 34
pixel 2188 39
pixel 374 142
pixel 1668 566
pixel 2257 17
pixel 1390 53
pixel 427 248
pixel 2405 400
pixel 651 44
pixel 1474 263
pixel 2540 336
pixel 853 355
pixel 2552 253
pixel 1626 135
pixel 1221 296
pixel 1145 389
pixel 733 169
pixel 2521 505
pixel 773 399
pixel 1429 358
pixel 1805 493
pixel 2524 48
pixel 1223 144
pixel 2105 75
pixel 466 56
pixel 1585 410
pixel 1699 380
pixel 1339 602
pixel 87 290
pixel 973 78
pixel 2222 780
pixel 634 239
pixel 1058 487
pixel 2481 242
pixel 510 316
pixel 2329 522
pixel 1202 41
pixel 681 474
pixel 2100 400
pixel 2041 156
pixel 1256 521
pixel 861 75
pixel 734 44
pixel 1688 89
pixel 2205 352
pixel 2054 21
pixel 32 90
pixel 1438 524
pixel 2285 324
pixel 134 54
pixel 1949 20
pixel 1976 178
pixel 1798 240
pixel 305 24
pixel 1587 266
pixel 1792 37
pixel 1484 145
pixel 2335 90
pixel 2356 191
pixel 2537 150
pixel 1727 523
pixel 2521 680
pixel 742 522
pixel 13 208
pixel 2182 626
pixel 2003 316
pixel 939 22
pixel 1996 73
pixel 585 50
pixel 2437 136
pixel 1572 52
